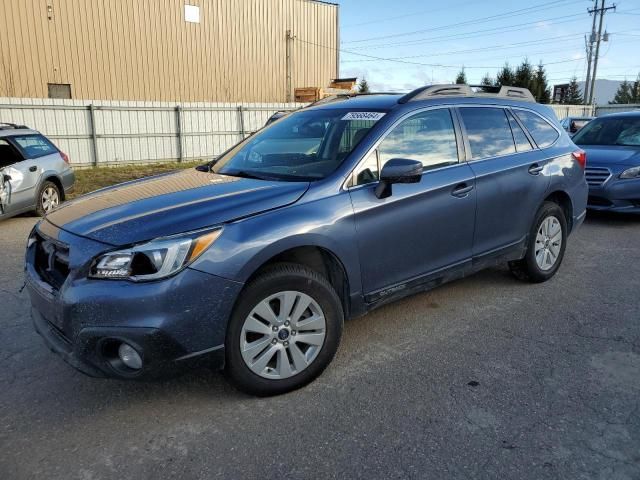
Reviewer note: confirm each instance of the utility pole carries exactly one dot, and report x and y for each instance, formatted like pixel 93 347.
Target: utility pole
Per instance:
pixel 289 42
pixel 602 10
pixel 589 47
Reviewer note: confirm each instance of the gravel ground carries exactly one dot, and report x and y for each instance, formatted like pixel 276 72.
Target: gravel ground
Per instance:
pixel 483 378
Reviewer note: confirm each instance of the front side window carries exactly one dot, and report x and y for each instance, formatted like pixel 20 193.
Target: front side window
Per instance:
pixel 8 155
pixel 34 146
pixel 610 131
pixel 304 146
pixel 488 132
pixel 428 137
pixel 541 130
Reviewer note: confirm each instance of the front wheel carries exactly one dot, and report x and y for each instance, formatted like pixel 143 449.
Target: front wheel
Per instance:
pixel 284 331
pixel 545 250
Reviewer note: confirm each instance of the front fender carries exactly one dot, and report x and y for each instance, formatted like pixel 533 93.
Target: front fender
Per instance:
pixel 246 245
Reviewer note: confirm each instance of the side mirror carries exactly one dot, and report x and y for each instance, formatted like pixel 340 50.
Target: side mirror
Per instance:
pixel 398 170
pixel 6 178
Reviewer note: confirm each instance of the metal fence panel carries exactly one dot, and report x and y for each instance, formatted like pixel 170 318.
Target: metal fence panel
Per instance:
pixel 606 109
pixel 563 111
pixel 116 132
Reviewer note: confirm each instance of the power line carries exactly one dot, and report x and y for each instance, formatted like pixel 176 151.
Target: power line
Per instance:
pixel 500 16
pixel 509 45
pixel 475 33
pixel 421 63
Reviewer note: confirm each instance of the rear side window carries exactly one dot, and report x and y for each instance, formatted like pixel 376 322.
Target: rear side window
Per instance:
pixel 541 130
pixel 34 146
pixel 522 142
pixel 488 132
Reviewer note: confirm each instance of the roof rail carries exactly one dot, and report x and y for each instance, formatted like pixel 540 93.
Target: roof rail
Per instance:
pixel 346 96
pixel 463 90
pixel 7 126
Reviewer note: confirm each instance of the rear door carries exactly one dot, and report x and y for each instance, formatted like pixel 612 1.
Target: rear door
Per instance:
pixel 510 177
pixel 422 227
pixel 39 155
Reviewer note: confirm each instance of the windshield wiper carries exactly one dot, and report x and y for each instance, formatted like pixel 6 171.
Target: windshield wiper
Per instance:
pixel 245 174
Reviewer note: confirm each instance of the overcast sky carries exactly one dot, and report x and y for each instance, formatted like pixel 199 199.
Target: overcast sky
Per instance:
pixel 434 39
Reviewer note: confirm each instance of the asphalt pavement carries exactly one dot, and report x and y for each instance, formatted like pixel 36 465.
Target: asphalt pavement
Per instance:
pixel 486 378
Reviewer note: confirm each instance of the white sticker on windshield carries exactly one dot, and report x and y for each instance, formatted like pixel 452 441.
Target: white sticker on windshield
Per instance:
pixel 375 116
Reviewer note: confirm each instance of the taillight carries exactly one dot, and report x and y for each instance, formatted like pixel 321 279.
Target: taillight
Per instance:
pixel 65 157
pixel 580 156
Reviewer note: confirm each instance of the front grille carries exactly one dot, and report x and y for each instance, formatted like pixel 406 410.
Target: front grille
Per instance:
pixel 598 201
pixel 51 260
pixel 596 176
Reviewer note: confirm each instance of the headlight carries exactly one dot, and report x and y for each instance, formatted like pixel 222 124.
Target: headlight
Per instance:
pixel 153 260
pixel 631 173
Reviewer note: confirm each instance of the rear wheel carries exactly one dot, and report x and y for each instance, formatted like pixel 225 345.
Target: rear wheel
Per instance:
pixel 284 331
pixel 545 251
pixel 49 197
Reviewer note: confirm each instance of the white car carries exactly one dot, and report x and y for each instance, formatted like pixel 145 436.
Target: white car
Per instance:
pixel 34 174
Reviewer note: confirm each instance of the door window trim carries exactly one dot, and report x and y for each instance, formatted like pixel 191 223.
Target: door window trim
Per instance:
pixel 558 131
pixel 460 146
pixel 469 158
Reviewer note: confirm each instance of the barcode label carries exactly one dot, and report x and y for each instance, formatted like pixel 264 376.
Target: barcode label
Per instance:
pixel 375 116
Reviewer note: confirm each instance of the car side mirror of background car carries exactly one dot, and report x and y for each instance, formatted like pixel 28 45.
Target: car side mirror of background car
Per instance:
pixel 398 170
pixel 6 178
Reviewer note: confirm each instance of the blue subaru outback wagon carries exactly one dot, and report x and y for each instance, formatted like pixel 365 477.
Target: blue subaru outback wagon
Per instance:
pixel 252 262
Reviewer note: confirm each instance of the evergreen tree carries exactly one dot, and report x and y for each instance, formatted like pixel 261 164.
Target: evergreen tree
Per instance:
pixel 363 86
pixel 624 93
pixel 524 75
pixel 486 80
pixel 462 77
pixel 573 96
pixel 635 90
pixel 540 87
pixel 505 76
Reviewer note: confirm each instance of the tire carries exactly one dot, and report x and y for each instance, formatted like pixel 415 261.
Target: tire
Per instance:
pixel 252 335
pixel 49 197
pixel 544 255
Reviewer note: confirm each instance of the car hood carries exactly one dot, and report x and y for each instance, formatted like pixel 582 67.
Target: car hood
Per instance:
pixel 170 204
pixel 611 155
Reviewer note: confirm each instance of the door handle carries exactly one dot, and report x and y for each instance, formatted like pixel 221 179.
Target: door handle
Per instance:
pixel 535 169
pixel 461 190
pixel 33 168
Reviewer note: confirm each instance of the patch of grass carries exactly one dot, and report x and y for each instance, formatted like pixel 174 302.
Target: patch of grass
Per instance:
pixel 90 179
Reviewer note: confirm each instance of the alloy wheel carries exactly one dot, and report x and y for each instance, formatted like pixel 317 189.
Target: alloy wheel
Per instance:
pixel 49 199
pixel 548 243
pixel 282 335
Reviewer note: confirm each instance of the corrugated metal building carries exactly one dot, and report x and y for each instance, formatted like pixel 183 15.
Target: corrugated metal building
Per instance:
pixel 166 50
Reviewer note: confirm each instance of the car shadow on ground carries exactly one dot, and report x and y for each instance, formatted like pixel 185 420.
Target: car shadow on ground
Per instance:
pixel 612 219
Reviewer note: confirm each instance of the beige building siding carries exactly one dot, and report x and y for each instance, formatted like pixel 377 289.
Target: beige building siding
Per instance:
pixel 144 49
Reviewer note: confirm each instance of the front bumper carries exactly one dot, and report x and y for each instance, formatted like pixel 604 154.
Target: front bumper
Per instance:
pixel 175 323
pixel 616 195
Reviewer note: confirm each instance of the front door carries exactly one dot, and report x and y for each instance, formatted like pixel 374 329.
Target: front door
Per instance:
pixel 422 227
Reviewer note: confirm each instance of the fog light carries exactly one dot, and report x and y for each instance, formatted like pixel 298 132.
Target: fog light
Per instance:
pixel 129 356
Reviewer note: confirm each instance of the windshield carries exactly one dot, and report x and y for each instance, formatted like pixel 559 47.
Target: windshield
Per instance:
pixel 307 145
pixel 610 131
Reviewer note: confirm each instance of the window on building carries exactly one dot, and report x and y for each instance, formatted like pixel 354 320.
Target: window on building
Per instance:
pixel 192 13
pixel 428 137
pixel 488 132
pixel 541 131
pixel 59 90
